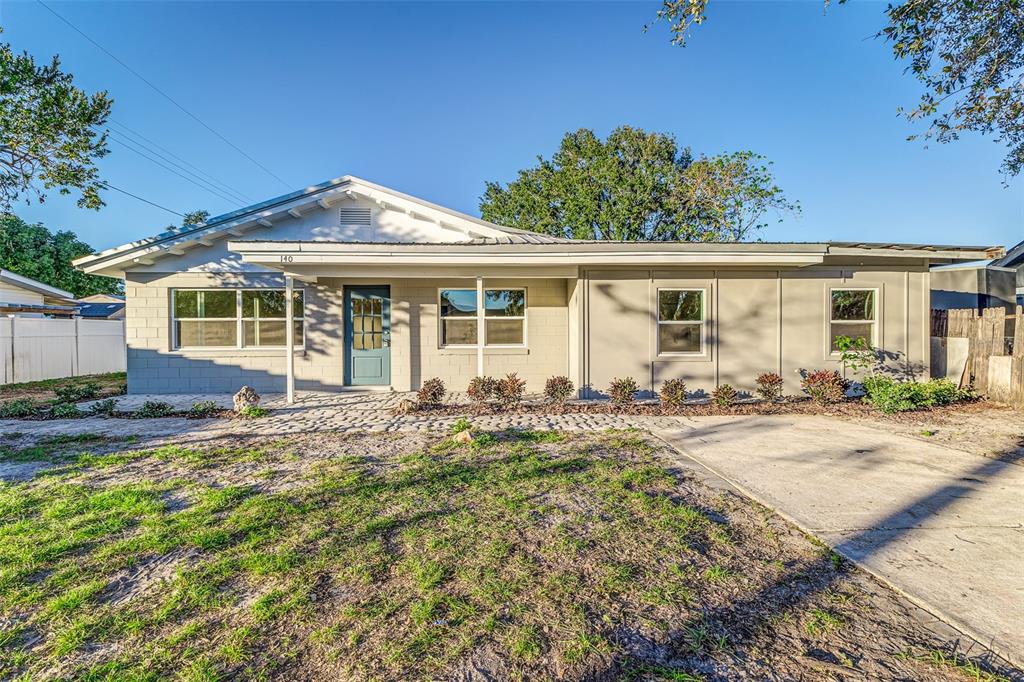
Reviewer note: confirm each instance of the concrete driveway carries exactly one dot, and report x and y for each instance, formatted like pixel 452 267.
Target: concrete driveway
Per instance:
pixel 944 527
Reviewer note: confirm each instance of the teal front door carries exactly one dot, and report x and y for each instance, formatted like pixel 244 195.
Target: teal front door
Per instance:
pixel 368 336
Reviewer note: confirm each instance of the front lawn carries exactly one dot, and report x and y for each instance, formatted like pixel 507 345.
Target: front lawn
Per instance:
pixel 45 390
pixel 531 555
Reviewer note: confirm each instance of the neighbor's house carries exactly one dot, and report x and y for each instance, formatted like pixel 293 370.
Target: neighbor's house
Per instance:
pixel 1014 258
pixel 390 290
pixel 993 283
pixel 101 307
pixel 27 297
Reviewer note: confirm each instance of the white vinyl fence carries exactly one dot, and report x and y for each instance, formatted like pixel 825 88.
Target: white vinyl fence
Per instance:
pixel 35 348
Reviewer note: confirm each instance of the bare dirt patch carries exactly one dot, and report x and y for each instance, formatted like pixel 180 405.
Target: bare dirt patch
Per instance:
pixel 521 555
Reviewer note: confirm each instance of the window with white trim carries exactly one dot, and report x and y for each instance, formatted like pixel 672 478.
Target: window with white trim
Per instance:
pixel 504 317
pixel 853 314
pixel 680 321
pixel 233 318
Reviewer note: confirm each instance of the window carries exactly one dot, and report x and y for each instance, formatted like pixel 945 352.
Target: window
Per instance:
pixel 852 314
pixel 212 318
pixel 681 321
pixel 504 317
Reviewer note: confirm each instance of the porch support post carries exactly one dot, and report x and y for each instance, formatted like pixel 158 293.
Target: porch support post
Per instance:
pixel 479 326
pixel 289 337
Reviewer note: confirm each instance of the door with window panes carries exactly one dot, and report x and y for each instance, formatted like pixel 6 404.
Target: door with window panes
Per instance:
pixel 367 336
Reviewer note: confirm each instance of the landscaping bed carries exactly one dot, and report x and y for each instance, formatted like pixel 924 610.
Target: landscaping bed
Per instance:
pixel 531 555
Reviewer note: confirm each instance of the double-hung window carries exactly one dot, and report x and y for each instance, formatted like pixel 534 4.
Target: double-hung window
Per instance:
pixel 504 317
pixel 233 318
pixel 680 321
pixel 853 314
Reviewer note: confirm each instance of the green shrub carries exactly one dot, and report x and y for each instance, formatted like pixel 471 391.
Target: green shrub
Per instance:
pixel 154 408
pixel 432 392
pixel 825 386
pixel 622 391
pixel 769 386
pixel 72 393
pixel 253 412
pixel 558 390
pixel 103 408
pixel 889 395
pixel 482 389
pixel 460 425
pixel 64 411
pixel 22 407
pixel 673 392
pixel 724 395
pixel 511 389
pixel 202 409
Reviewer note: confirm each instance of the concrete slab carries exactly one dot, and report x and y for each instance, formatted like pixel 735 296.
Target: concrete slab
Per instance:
pixel 944 527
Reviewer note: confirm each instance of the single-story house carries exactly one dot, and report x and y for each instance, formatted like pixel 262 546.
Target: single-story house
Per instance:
pixel 26 297
pixel 388 290
pixel 1014 258
pixel 101 307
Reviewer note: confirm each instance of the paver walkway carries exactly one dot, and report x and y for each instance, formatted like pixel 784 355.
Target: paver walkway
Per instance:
pixel 944 527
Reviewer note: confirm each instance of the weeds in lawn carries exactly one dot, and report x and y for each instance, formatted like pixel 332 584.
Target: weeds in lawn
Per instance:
pixel 954 661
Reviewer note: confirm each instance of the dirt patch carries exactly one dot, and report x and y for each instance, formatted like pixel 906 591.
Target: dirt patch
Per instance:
pixel 109 385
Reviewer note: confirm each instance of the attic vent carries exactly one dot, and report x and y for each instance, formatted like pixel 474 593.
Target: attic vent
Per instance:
pixel 355 216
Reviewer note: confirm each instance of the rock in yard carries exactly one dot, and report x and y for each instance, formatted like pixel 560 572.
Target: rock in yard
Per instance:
pixel 246 397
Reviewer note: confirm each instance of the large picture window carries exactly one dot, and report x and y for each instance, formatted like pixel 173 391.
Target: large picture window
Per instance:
pixel 852 314
pixel 233 318
pixel 680 321
pixel 504 317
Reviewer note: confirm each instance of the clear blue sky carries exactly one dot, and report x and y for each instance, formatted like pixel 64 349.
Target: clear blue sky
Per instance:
pixel 435 99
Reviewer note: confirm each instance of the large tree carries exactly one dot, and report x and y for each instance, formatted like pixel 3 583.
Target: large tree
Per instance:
pixel 967 54
pixel 50 132
pixel 637 186
pixel 34 251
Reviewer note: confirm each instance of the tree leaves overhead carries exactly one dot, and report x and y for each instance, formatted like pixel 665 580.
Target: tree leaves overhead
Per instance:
pixel 637 186
pixel 49 132
pixel 967 54
pixel 33 251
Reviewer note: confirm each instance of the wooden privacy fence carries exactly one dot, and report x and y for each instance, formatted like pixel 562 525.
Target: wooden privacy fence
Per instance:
pixel 36 348
pixel 994 353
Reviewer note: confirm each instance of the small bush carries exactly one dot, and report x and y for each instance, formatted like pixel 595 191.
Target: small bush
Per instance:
pixel 511 390
pixel 432 392
pixel 65 411
pixel 673 392
pixel 769 386
pixel 889 396
pixel 482 389
pixel 154 408
pixel 825 386
pixel 460 425
pixel 22 407
pixel 72 393
pixel 202 409
pixel 103 408
pixel 724 395
pixel 253 412
pixel 622 391
pixel 558 390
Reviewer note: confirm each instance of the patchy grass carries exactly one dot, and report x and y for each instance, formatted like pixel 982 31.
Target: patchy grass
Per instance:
pixel 44 391
pixel 526 554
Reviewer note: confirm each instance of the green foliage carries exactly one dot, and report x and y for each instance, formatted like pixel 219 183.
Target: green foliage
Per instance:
pixel 724 395
pixel 202 409
pixel 510 390
pixel 889 396
pixel 637 186
pixel 769 386
pixel 253 412
pixel 104 408
pixel 825 386
pixel 622 391
pixel 432 392
pixel 22 407
pixel 482 389
pixel 33 251
pixel 673 392
pixel 559 390
pixel 50 133
pixel 65 411
pixel 968 57
pixel 154 408
pixel 857 355
pixel 461 424
pixel 72 393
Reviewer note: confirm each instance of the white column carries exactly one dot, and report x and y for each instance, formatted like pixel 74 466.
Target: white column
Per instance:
pixel 289 336
pixel 479 326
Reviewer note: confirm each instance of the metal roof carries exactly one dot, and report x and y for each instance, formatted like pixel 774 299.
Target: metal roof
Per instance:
pixel 35 285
